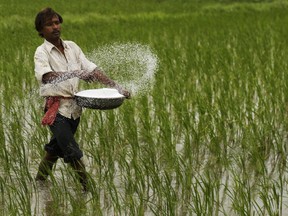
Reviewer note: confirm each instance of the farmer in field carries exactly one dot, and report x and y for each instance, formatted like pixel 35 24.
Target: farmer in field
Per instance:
pixel 59 65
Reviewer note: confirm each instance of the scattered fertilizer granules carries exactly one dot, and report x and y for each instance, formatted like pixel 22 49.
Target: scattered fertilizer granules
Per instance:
pixel 132 65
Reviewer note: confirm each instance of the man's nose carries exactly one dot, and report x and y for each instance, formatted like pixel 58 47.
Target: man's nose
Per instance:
pixel 55 26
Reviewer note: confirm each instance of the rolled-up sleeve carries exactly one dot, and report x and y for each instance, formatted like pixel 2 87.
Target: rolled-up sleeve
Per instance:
pixel 42 65
pixel 85 63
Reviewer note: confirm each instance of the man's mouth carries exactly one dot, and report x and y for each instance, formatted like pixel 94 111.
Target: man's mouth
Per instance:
pixel 56 33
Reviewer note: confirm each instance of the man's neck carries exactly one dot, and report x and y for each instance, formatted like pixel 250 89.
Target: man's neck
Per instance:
pixel 56 42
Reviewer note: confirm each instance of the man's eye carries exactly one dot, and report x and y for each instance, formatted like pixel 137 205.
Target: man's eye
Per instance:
pixel 52 23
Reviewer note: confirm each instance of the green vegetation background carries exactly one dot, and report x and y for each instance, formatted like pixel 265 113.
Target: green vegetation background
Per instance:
pixel 220 95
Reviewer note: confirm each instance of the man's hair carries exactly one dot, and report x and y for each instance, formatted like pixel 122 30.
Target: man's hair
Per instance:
pixel 43 16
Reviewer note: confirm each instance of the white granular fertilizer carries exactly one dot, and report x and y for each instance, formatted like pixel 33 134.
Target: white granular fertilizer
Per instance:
pixel 100 93
pixel 132 65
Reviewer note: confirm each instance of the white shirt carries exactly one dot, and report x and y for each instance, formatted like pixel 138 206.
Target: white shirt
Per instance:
pixel 47 59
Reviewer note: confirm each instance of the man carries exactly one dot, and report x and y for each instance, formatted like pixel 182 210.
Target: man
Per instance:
pixel 59 65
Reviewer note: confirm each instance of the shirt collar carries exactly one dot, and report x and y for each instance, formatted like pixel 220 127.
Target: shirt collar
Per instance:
pixel 49 46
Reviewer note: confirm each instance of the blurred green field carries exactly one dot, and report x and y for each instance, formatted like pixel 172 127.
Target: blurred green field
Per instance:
pixel 208 138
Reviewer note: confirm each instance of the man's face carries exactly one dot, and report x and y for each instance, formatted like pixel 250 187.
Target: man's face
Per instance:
pixel 52 29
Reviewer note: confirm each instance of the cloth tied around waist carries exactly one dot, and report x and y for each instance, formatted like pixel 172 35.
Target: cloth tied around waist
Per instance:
pixel 51 107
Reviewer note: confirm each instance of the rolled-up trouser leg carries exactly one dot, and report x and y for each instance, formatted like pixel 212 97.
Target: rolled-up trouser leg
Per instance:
pixel 46 166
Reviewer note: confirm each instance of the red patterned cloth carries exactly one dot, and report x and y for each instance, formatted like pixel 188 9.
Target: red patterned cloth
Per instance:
pixel 52 105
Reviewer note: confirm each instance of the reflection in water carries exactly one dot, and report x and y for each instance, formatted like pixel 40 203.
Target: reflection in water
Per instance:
pixel 47 200
pixel 42 199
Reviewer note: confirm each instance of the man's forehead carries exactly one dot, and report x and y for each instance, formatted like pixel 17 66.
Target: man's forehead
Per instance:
pixel 53 18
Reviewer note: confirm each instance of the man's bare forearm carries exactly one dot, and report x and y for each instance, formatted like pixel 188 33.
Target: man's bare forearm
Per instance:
pixel 56 77
pixel 99 76
pixel 102 78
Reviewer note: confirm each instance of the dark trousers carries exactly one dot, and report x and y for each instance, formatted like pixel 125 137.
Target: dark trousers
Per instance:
pixel 63 143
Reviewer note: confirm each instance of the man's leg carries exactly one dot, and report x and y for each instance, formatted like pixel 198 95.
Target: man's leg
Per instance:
pixel 79 168
pixel 45 166
pixel 63 131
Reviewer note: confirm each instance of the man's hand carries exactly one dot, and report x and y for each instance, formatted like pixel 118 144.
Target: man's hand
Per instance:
pixel 123 92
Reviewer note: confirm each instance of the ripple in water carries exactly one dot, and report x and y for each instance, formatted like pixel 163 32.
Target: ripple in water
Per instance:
pixel 132 65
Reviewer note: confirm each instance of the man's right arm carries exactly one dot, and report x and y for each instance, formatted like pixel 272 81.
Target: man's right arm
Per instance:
pixel 55 77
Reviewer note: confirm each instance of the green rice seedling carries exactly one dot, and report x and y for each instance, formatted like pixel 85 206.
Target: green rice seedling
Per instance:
pixel 2 199
pixel 241 198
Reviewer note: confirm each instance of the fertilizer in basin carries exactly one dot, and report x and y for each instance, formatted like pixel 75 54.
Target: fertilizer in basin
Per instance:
pixel 100 93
